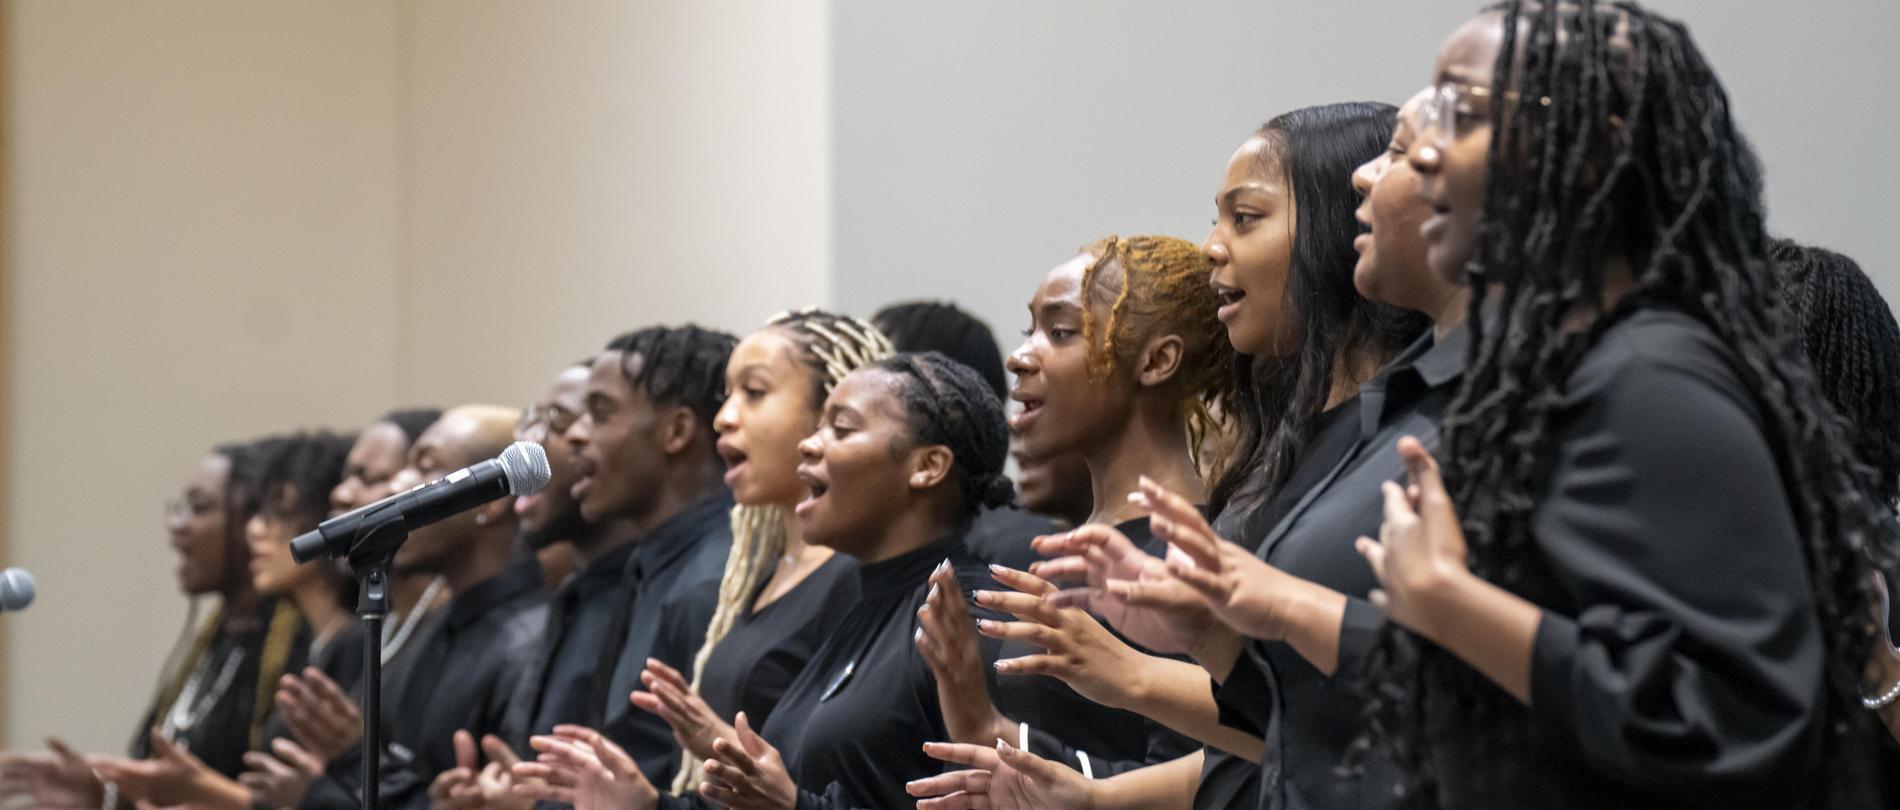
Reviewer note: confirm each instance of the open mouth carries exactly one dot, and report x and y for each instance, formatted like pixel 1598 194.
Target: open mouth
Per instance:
pixel 1230 298
pixel 1031 405
pixel 734 458
pixel 818 487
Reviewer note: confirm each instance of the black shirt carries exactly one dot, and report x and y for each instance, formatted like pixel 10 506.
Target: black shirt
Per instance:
pixel 1307 719
pixel 851 728
pixel 476 658
pixel 560 685
pixel 218 711
pixel 766 649
pixel 1679 659
pixel 1001 536
pixel 672 579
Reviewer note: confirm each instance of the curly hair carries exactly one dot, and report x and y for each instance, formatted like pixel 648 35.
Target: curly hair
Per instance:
pixel 1634 155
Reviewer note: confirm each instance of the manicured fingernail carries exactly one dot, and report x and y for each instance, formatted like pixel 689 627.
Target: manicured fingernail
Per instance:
pixel 1136 497
pixel 999 569
pixel 933 591
pixel 984 624
pixel 984 597
pixel 919 635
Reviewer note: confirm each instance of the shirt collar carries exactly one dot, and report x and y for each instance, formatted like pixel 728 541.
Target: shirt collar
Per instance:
pixel 908 570
pixel 1426 364
pixel 681 533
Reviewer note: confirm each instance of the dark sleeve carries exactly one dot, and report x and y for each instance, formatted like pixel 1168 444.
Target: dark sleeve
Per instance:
pixel 1692 665
pixel 1358 632
pixel 682 629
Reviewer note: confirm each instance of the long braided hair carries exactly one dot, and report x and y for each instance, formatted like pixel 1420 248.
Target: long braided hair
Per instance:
pixel 1634 155
pixel 831 346
pixel 1163 289
pixel 1277 401
pixel 1853 343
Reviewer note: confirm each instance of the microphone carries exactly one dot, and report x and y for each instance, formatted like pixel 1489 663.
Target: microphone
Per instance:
pixel 380 527
pixel 17 589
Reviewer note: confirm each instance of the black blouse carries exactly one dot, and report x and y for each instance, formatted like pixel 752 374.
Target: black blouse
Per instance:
pixel 851 728
pixel 1679 660
pixel 1307 719
pixel 765 650
pixel 223 704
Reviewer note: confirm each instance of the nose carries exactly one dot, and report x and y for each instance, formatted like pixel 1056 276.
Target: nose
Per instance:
pixel 811 448
pixel 727 420
pixel 578 433
pixel 1215 249
pixel 342 495
pixel 1367 174
pixel 1426 159
pixel 1020 362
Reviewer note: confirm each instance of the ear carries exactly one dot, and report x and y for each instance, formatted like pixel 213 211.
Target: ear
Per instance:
pixel 929 466
pixel 1159 360
pixel 677 426
pixel 495 513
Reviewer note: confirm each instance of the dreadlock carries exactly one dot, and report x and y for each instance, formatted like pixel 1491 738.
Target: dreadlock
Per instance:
pixel 945 403
pixel 677 365
pixel 306 465
pixel 830 346
pixel 1162 288
pixel 1634 155
pixel 923 326
pixel 1277 401
pixel 1853 343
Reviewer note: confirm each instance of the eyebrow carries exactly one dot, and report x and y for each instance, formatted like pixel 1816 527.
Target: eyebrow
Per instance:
pixel 1229 195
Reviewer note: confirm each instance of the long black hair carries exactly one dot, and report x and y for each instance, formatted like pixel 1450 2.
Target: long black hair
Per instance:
pixel 1279 400
pixel 1633 156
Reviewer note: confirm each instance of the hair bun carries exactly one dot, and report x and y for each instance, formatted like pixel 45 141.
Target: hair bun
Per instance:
pixel 997 492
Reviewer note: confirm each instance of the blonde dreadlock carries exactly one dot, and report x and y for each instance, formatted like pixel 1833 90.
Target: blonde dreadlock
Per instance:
pixel 832 346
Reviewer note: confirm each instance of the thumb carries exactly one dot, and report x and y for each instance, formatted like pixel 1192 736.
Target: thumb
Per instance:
pixel 1027 764
pixel 754 744
pixel 162 747
pixel 1421 469
pixel 499 751
pixel 63 751
pixel 465 750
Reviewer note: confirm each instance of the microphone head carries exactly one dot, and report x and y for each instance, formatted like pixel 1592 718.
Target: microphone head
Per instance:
pixel 17 589
pixel 525 465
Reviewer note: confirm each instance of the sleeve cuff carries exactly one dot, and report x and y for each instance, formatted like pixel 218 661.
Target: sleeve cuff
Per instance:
pixel 1244 700
pixel 1553 652
pixel 1359 630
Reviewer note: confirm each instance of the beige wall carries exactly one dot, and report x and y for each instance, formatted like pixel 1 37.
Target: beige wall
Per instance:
pixel 234 217
pixel 204 207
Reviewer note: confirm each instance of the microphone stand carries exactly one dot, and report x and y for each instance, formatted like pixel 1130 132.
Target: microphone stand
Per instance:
pixel 369 560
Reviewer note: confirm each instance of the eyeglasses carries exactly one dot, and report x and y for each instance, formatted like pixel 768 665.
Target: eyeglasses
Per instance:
pixel 1455 108
pixel 555 421
pixel 188 508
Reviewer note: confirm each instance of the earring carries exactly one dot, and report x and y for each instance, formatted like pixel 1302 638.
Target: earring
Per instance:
pixel 481 520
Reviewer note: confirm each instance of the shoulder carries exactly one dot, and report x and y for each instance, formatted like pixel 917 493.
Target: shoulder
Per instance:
pixel 1659 364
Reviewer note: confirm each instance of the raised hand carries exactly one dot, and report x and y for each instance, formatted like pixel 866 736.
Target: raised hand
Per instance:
pixel 580 767
pixel 946 638
pixel 323 718
pixel 999 778
pixel 747 773
pixel 492 787
pixel 1883 664
pixel 1129 588
pixel 172 776
pixel 1421 549
pixel 61 779
pixel 283 779
pixel 1077 649
pixel 669 695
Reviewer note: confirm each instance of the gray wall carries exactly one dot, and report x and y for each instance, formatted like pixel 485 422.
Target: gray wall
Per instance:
pixel 978 143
